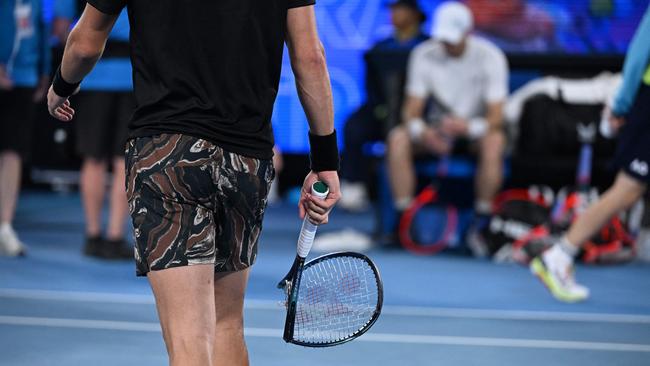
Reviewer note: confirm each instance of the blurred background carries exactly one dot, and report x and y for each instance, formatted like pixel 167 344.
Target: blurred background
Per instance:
pixel 65 303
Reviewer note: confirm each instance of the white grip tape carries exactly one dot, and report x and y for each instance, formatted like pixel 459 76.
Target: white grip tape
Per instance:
pixel 306 239
pixel 308 230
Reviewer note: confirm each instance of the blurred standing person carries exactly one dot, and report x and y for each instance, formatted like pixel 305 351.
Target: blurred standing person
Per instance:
pixel 24 70
pixel 465 77
pixel 199 168
pixel 364 124
pixel 104 107
pixel 631 113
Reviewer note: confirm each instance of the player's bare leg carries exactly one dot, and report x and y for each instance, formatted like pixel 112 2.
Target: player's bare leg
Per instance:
pixel 93 188
pixel 555 266
pixel 489 175
pixel 625 192
pixel 230 347
pixel 401 171
pixel 119 206
pixel 10 167
pixel 186 309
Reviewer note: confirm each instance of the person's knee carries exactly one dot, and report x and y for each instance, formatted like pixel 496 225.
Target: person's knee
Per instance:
pixel 398 139
pixel 119 169
pixel 198 342
pixel 492 146
pixel 233 326
pixel 10 154
pixel 95 163
pixel 628 189
pixel 230 318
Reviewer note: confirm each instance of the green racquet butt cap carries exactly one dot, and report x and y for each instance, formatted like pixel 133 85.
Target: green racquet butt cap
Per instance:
pixel 320 187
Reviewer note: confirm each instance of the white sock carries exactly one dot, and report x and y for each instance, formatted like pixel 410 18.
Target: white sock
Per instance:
pixel 566 246
pixel 403 203
pixel 5 226
pixel 483 207
pixel 555 255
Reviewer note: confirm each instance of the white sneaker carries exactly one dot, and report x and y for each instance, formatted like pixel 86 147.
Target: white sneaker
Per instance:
pixel 9 244
pixel 555 269
pixel 353 197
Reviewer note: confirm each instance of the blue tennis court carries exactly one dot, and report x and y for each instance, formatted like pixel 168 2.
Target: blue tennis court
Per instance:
pixel 58 307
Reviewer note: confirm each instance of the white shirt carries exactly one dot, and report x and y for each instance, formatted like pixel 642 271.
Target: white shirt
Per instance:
pixel 465 84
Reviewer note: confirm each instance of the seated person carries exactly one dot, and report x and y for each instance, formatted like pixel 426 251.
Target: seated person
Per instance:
pixel 467 79
pixel 366 124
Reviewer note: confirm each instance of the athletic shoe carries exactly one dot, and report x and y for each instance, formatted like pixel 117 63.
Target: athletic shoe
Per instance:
pixel 555 269
pixel 92 245
pixel 354 197
pixel 10 245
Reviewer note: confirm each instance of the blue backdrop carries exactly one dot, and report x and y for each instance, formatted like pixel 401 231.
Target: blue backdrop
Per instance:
pixel 349 27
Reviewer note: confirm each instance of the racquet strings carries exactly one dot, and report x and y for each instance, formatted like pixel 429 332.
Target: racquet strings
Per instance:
pixel 337 298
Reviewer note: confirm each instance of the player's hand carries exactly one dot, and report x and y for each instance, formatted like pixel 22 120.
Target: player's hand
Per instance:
pixel 435 142
pixel 454 126
pixel 616 122
pixel 41 89
pixel 315 208
pixel 610 124
pixel 5 81
pixel 59 107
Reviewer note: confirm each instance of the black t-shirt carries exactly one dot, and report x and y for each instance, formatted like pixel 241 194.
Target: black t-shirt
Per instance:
pixel 208 69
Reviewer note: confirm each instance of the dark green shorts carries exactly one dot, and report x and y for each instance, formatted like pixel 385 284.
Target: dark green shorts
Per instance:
pixel 194 203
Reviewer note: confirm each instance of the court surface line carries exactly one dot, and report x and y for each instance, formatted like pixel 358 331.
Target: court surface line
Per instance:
pixel 252 304
pixel 370 337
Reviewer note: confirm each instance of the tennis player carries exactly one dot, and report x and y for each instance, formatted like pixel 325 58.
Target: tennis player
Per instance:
pixel 631 110
pixel 198 162
pixel 467 78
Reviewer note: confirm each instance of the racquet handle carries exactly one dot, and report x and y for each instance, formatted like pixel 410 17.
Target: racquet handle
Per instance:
pixel 308 230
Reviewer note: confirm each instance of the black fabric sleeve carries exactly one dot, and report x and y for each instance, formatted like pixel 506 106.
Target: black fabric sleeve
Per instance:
pixel 111 7
pixel 299 3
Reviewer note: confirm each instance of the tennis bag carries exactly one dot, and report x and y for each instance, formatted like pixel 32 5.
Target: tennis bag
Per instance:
pixel 523 227
pixel 517 212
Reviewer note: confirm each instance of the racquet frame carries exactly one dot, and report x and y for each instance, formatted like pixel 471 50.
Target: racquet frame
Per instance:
pixel 291 283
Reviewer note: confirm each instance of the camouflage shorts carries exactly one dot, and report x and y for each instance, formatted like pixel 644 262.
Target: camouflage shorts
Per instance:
pixel 194 203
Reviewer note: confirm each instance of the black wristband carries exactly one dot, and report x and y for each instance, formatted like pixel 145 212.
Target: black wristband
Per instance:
pixel 61 87
pixel 324 152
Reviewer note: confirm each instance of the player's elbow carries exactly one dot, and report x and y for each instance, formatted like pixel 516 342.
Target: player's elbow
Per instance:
pixel 84 49
pixel 310 59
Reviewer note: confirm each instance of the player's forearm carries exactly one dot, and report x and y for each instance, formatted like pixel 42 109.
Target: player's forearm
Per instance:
pixel 314 90
pixel 413 109
pixel 82 51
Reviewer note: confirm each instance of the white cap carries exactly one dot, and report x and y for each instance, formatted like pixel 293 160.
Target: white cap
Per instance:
pixel 451 22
